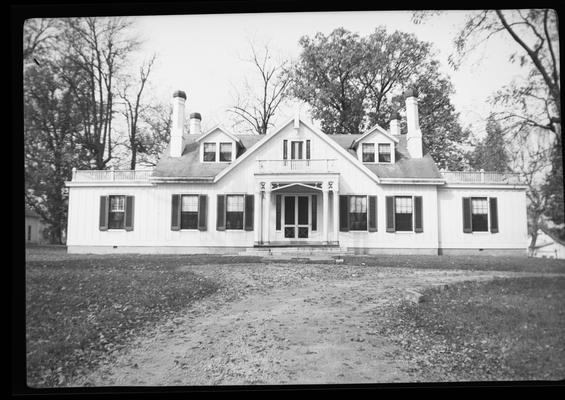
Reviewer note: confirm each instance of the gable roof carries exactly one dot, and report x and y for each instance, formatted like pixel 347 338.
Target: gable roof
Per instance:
pixel 30 213
pixel 188 165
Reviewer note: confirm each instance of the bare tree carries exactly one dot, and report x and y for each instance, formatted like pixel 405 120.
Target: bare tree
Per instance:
pixel 257 108
pixel 133 106
pixel 96 50
pixel 39 35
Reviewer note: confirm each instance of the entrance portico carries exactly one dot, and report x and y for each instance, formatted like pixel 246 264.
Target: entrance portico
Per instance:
pixel 297 212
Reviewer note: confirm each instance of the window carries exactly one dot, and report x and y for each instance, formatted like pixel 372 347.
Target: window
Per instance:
pixel 116 216
pixel 296 150
pixel 403 213
pixel 234 211
pixel 189 212
pixel 225 152
pixel 29 233
pixel 209 151
pixel 384 152
pixel 368 152
pixel 358 213
pixel 479 214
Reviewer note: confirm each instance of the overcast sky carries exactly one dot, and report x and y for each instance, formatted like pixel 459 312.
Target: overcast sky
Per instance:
pixel 203 54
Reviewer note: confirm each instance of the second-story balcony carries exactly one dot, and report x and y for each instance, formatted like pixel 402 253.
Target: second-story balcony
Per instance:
pixel 508 178
pixel 314 166
pixel 111 175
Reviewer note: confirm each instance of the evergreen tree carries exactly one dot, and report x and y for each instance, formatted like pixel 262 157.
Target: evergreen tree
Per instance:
pixel 490 154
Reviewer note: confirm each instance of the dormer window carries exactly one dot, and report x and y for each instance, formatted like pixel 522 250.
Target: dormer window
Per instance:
pixel 384 153
pixel 225 152
pixel 210 152
pixel 368 152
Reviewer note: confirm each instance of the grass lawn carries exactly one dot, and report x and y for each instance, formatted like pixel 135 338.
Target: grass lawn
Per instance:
pixel 81 310
pixel 506 329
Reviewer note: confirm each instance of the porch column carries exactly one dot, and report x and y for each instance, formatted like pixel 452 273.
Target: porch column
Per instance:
pixel 258 217
pixel 335 206
pixel 325 214
pixel 268 211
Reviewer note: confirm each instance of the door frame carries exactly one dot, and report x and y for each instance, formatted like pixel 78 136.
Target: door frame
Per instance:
pixel 296 225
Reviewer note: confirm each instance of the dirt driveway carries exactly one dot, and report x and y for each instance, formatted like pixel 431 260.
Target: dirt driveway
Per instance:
pixel 279 324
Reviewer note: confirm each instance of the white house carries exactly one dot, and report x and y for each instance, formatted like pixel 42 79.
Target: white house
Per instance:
pixel 33 227
pixel 548 246
pixel 223 192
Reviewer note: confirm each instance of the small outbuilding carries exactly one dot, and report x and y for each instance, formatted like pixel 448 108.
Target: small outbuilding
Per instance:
pixel 33 227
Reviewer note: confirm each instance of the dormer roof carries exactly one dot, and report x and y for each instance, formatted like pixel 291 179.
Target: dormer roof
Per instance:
pixel 219 127
pixel 370 131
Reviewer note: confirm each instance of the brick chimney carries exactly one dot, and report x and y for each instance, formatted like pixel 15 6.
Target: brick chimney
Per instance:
pixel 414 135
pixel 394 126
pixel 194 125
pixel 177 141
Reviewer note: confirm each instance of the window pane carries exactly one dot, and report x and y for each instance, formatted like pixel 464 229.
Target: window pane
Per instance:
pixel 225 151
pixel 189 203
pixel 403 205
pixel 368 152
pixel 479 206
pixel 403 221
pixel 116 220
pixel 189 220
pixel 358 204
pixel 480 223
pixel 209 151
pixel 358 221
pixel 235 203
pixel 234 220
pixel 384 152
pixel 117 203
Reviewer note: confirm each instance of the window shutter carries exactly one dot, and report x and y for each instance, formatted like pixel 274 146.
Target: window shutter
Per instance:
pixel 493 215
pixel 175 212
pixel 129 213
pixel 249 210
pixel 314 212
pixel 308 149
pixel 202 212
pixel 390 225
pixel 285 149
pixel 344 213
pixel 278 200
pixel 221 213
pixel 467 228
pixel 103 224
pixel 372 209
pixel 418 221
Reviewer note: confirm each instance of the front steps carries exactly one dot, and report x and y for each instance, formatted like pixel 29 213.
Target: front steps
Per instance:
pixel 312 253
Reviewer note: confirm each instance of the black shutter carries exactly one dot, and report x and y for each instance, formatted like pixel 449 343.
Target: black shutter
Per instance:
pixel 307 149
pixel 104 204
pixel 285 149
pixel 249 210
pixel 175 212
pixel 390 225
pixel 344 213
pixel 278 200
pixel 418 218
pixel 314 212
pixel 202 211
pixel 372 209
pixel 221 213
pixel 467 226
pixel 493 215
pixel 129 213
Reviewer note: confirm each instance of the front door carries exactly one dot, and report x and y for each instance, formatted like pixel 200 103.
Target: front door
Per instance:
pixel 296 217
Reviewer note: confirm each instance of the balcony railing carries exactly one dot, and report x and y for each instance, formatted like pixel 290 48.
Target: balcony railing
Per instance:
pixel 481 177
pixel 318 165
pixel 110 175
